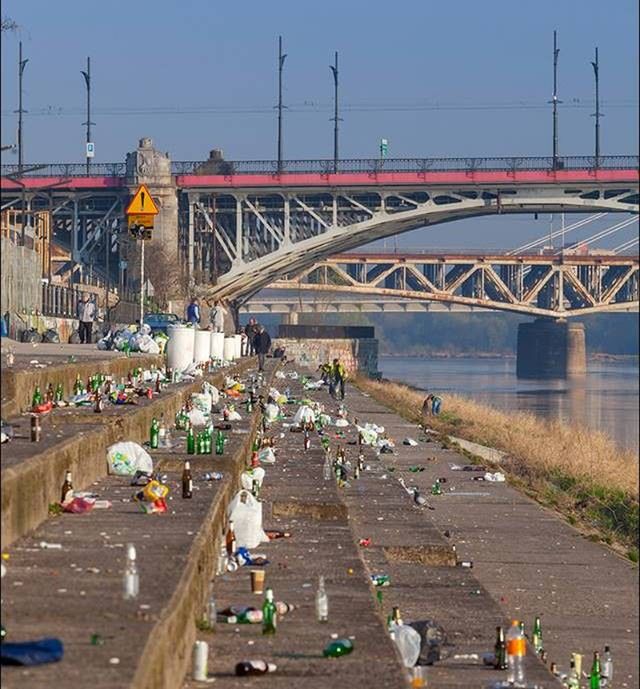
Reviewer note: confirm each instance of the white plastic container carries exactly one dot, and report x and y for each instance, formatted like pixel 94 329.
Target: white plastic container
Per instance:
pixel 238 341
pixel 217 346
pixel 180 347
pixel 229 352
pixel 202 346
pixel 200 661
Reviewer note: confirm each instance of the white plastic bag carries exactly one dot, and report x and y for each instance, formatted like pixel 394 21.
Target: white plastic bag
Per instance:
pixel 246 513
pixel 234 416
pixel 341 423
pixel 202 401
pixel 267 456
pixel 212 391
pixel 197 417
pixel 124 459
pixel 408 641
pixel 147 345
pixel 271 412
pixel 303 415
pixel 250 475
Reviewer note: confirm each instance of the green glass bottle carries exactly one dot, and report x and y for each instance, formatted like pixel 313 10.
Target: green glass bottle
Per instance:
pixel 269 614
pixel 249 405
pixel 500 650
pixel 191 442
pixel 219 443
pixel 256 445
pixel 537 636
pixel 36 400
pixel 59 393
pixel 77 386
pixel 154 434
pixel 337 648
pixel 208 445
pixel 595 676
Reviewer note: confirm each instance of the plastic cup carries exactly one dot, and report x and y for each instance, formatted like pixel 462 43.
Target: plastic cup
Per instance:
pixel 418 677
pixel 257 580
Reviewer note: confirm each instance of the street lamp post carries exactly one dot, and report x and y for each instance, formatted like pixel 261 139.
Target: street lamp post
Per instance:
pixel 555 101
pixel 281 59
pixel 88 123
pixel 334 69
pixel 597 114
pixel 21 65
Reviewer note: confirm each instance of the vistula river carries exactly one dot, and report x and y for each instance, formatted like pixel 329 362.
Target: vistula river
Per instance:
pixel 605 399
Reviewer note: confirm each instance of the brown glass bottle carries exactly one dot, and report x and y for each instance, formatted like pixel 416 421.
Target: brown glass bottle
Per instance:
pixel 230 540
pixel 67 487
pixel 187 481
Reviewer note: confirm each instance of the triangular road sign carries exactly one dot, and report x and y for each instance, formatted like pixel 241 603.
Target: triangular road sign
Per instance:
pixel 142 203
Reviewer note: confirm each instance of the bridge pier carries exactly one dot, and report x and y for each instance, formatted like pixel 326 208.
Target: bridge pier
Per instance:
pixel 551 349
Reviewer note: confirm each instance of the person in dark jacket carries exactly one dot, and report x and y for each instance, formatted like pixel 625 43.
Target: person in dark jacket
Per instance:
pixel 193 312
pixel 251 330
pixel 262 344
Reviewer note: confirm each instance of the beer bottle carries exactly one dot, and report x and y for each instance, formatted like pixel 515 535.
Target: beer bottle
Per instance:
pixel 36 429
pixel 337 648
pixel 254 667
pixel 191 442
pixel 230 539
pixel 77 386
pixel 249 404
pixel 307 439
pixel 500 650
pixel 595 676
pixel 361 462
pixel 99 404
pixel 50 393
pixel 36 400
pixel 187 481
pixel 573 680
pixel 219 442
pixel 537 636
pixel 67 488
pixel 255 488
pixel 154 434
pixel 269 614
pixel 59 393
pixel 208 441
pixel 356 471
pixel 158 384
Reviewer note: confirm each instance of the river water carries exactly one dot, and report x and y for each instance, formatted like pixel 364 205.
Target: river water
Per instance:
pixel 605 399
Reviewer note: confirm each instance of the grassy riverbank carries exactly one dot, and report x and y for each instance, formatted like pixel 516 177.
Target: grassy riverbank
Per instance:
pixel 581 473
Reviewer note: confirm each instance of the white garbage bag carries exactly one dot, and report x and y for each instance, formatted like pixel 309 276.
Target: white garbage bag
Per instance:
pixel 303 415
pixel 246 513
pixel 147 345
pixel 281 374
pixel 408 641
pixel 125 458
pixel 234 416
pixel 271 412
pixel 267 455
pixel 212 391
pixel 341 423
pixel 145 329
pixel 198 417
pixel 250 475
pixel 202 401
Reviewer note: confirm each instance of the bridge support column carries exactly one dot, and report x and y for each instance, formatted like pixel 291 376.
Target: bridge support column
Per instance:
pixel 551 349
pixel 290 318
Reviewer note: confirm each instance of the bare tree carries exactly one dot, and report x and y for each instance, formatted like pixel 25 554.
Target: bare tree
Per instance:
pixel 163 271
pixel 8 24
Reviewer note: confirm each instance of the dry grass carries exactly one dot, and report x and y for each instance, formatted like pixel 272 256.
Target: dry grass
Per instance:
pixel 582 473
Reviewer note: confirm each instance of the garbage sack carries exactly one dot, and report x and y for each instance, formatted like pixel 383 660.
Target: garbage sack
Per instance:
pixel 125 458
pixel 246 513
pixel 198 417
pixel 248 477
pixel 147 345
pixel 121 340
pixel 51 336
pixel 369 437
pixel 409 643
pixel 30 335
pixel 31 652
pixel 161 340
pixel 212 391
pixel 341 423
pixel 267 456
pixel 202 401
pixel 104 344
pixel 234 416
pixel 304 415
pixel 145 329
pixel 271 412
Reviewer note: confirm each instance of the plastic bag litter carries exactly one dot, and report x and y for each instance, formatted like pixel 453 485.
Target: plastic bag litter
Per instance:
pixel 234 416
pixel 246 513
pixel 212 391
pixel 409 441
pixel 303 415
pixel 31 652
pixel 202 401
pixel 248 477
pixel 161 340
pixel 498 477
pixel 145 329
pixel 271 412
pixel 281 374
pixel 341 423
pixel 147 345
pixel 267 456
pixel 198 417
pixel 104 344
pixel 79 505
pixel 125 458
pixel 275 394
pixel 51 336
pixel 369 437
pixel 409 642
pixel 30 335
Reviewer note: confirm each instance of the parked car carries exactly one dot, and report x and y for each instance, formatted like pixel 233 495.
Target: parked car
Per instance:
pixel 160 322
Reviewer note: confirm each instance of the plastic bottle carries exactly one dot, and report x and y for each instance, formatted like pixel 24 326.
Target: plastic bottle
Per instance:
pixel 269 614
pixel 327 469
pixel 516 650
pixel 337 648
pixel 212 611
pixel 322 602
pixel 254 667
pixel 607 667
pixel 131 579
pixel 162 432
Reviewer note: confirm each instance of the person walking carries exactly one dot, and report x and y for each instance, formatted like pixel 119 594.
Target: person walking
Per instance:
pixel 262 344
pixel 193 312
pixel 337 380
pixel 252 328
pixel 436 403
pixel 217 316
pixel 426 409
pixel 86 316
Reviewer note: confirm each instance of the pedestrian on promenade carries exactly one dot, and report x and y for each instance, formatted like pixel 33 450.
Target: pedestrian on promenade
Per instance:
pixel 436 403
pixel 86 317
pixel 244 342
pixel 426 409
pixel 262 344
pixel 193 312
pixel 217 317
pixel 337 380
pixel 325 372
pixel 252 328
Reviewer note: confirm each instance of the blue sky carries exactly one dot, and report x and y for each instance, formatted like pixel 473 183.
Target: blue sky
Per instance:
pixel 397 62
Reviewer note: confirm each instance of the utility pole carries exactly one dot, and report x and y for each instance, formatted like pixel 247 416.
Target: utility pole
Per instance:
pixel 597 114
pixel 334 69
pixel 281 59
pixel 21 65
pixel 88 123
pixel 555 101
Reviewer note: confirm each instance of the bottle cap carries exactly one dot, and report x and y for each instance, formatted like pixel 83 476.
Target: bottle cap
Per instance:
pixel 187 464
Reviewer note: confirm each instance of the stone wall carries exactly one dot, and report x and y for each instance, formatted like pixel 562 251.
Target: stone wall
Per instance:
pixel 355 354
pixel 21 278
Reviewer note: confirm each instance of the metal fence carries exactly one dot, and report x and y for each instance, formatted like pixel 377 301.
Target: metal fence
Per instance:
pixel 61 301
pixel 324 166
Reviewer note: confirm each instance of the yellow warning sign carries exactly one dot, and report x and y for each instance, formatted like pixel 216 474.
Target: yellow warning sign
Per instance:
pixel 142 203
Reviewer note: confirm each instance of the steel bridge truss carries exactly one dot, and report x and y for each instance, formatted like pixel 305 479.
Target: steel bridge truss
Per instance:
pixel 551 286
pixel 238 241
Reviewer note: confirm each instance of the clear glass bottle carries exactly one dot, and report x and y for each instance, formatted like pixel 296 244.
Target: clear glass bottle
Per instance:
pixel 327 469
pixel 607 667
pixel 322 602
pixel 131 580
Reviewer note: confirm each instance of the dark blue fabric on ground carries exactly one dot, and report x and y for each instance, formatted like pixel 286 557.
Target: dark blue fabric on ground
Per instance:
pixel 31 652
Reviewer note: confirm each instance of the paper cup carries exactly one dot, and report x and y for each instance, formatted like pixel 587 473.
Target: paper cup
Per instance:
pixel 257 580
